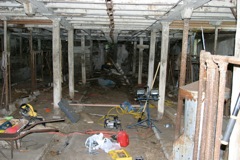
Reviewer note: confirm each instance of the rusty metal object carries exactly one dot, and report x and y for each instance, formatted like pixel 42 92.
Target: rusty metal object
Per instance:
pixel 222 83
pixel 182 77
pixel 208 129
pixel 200 107
pixel 25 131
pixel 186 94
pixel 211 107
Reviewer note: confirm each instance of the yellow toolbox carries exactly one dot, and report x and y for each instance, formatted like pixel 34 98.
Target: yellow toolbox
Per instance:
pixel 121 154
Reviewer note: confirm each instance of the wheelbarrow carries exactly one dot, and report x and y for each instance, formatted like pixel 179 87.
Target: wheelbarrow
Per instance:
pixel 25 129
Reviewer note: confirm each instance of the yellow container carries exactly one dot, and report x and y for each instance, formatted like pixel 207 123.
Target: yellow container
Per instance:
pixel 121 154
pixel 2 131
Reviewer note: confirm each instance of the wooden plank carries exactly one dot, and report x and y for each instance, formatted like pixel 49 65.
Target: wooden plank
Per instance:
pixel 99 105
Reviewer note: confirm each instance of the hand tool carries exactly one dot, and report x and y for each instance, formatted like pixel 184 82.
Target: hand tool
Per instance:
pixel 27 110
pixel 231 122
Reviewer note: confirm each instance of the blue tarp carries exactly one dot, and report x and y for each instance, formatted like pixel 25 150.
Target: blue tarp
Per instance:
pixel 106 82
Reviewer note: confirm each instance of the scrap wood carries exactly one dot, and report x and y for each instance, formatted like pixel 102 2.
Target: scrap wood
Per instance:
pixel 100 105
pixel 94 114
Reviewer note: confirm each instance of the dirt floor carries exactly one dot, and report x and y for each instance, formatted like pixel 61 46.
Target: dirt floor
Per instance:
pixel 143 141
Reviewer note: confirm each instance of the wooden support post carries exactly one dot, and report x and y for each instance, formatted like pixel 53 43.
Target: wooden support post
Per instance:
pixel 20 48
pixel 151 58
pixel 234 145
pixel 33 61
pixel 134 57
pixel 5 66
pixel 9 67
pixel 91 57
pixel 182 76
pixel 83 60
pixel 39 44
pixel 140 62
pixel 141 47
pixel 71 63
pixel 57 67
pixel 215 40
pixel 163 68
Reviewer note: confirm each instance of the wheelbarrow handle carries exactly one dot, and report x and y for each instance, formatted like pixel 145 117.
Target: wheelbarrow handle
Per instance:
pixel 42 122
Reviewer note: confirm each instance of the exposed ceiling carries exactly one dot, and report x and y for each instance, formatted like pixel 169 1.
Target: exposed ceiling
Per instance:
pixel 116 20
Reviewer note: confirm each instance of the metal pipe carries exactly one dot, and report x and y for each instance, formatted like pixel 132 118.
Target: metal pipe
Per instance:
pixel 28 132
pixel 43 122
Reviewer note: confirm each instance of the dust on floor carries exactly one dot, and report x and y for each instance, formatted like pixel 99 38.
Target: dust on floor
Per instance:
pixel 143 142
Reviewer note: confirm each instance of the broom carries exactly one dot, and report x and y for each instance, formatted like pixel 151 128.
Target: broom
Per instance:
pixel 145 105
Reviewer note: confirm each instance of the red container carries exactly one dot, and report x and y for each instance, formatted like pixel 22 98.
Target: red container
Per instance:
pixel 122 138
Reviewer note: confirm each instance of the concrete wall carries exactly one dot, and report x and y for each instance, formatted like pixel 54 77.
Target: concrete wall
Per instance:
pixel 225 45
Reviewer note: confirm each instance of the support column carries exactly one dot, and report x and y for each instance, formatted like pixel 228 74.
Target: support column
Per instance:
pixel 140 62
pixel 33 61
pixel 91 55
pixel 71 63
pixel 163 68
pixel 5 66
pixel 39 45
pixel 57 67
pixel 140 66
pixel 182 77
pixel 83 58
pixel 134 57
pixel 20 48
pixel 151 58
pixel 9 67
pixel 234 145
pixel 215 40
pixel 39 56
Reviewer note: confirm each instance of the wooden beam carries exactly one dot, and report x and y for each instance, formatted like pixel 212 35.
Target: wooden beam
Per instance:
pixel 57 68
pixel 71 63
pixel 163 68
pixel 151 58
pixel 99 105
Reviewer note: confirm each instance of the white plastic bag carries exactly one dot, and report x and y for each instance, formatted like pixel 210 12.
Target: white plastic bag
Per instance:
pixel 108 145
pixel 97 141
pixel 94 142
